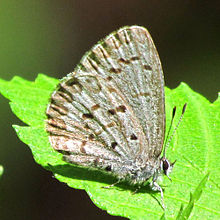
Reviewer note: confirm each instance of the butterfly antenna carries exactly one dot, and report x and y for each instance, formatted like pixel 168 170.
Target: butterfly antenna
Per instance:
pixel 167 143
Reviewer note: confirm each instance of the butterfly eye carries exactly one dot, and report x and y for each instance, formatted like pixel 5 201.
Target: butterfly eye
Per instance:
pixel 166 166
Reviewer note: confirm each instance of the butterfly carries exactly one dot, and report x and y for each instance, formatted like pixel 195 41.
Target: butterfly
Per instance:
pixel 109 113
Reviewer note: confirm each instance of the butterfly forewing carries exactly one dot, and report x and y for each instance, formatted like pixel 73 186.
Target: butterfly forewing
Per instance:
pixel 110 110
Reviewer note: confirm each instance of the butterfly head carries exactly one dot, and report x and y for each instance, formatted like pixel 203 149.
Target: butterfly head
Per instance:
pixel 166 166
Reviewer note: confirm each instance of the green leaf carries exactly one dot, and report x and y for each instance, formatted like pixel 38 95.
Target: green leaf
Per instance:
pixel 184 214
pixel 163 217
pixel 196 146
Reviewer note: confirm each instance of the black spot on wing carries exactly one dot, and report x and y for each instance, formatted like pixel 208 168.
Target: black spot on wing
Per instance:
pixel 133 137
pixel 114 144
pixel 121 108
pixel 87 116
pixel 147 67
pixel 112 111
pixel 108 168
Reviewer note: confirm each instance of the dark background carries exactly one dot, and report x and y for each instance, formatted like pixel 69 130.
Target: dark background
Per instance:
pixel 42 36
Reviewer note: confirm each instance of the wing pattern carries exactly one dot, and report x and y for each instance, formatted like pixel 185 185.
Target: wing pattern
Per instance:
pixel 110 111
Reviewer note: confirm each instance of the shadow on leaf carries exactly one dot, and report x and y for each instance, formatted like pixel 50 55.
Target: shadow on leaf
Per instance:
pixel 88 174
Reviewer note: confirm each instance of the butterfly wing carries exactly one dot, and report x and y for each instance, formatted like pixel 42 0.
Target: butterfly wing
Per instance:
pixel 112 107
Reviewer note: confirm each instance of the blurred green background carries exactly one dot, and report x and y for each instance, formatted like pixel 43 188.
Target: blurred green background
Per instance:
pixel 45 36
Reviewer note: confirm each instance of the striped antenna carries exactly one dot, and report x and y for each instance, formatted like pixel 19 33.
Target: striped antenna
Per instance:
pixel 167 143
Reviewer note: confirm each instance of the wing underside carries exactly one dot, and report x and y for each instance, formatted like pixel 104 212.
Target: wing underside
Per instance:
pixel 112 106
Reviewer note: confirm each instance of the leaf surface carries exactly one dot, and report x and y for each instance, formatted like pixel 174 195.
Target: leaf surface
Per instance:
pixel 196 146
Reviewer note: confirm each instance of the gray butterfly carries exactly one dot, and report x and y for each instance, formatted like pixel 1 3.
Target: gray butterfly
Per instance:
pixel 109 113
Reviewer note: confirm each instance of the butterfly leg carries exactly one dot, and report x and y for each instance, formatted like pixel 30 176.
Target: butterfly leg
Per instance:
pixel 136 190
pixel 107 187
pixel 157 187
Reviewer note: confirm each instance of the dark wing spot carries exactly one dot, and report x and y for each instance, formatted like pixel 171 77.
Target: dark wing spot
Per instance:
pixel 133 137
pixel 109 78
pixel 87 115
pixel 91 137
pixel 114 144
pixel 83 143
pixel 147 67
pixel 108 168
pixel 121 108
pixel 122 60
pixel 112 111
pixel 115 70
pixel 95 107
pixel 135 58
